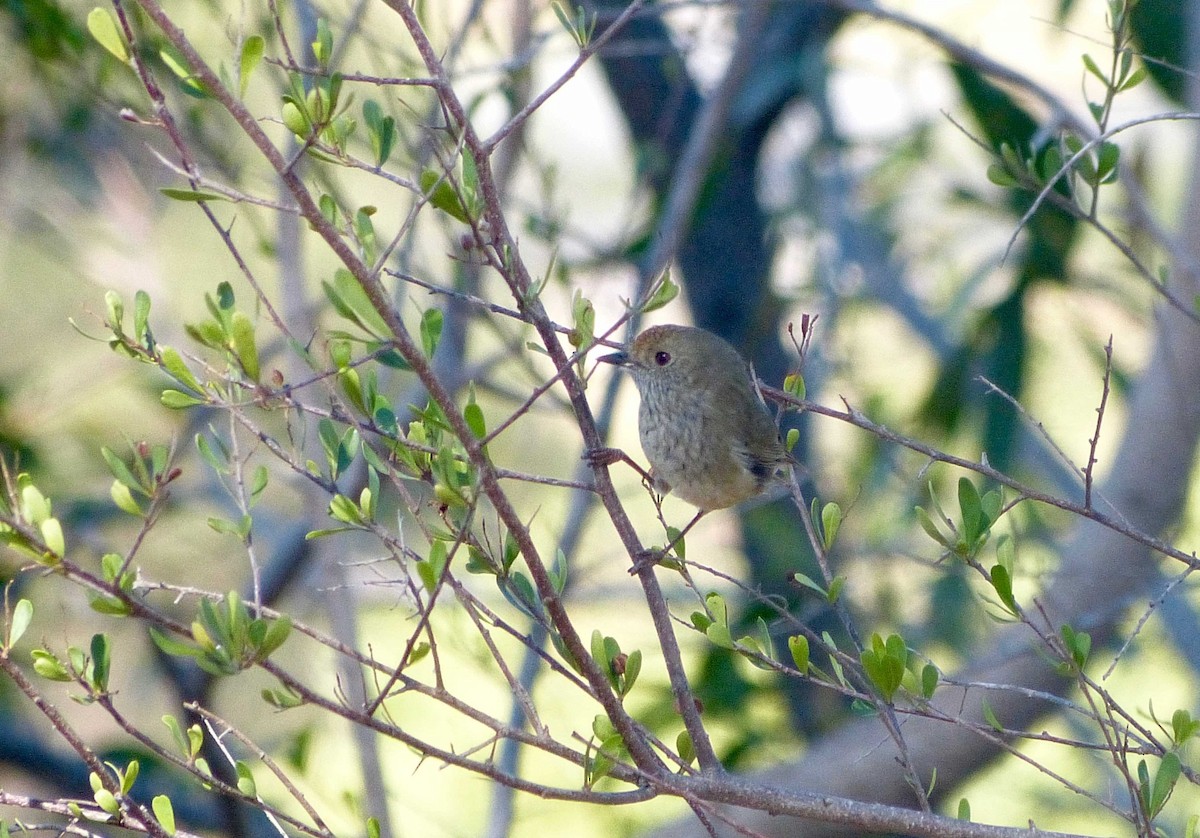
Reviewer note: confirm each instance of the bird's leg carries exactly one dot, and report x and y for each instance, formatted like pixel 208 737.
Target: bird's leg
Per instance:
pixel 597 457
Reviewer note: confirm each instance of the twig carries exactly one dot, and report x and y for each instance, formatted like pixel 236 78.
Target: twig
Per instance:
pixel 265 758
pixel 1088 471
pixel 585 53
pixel 854 417
pixel 132 814
pixel 1145 618
pixel 993 387
pixel 67 809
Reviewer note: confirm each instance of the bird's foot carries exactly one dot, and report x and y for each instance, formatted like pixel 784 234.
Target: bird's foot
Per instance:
pixel 597 457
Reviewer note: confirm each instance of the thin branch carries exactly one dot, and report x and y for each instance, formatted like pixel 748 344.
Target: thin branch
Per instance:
pixel 585 53
pixel 856 418
pixel 1089 470
pixel 132 814
pixel 1145 618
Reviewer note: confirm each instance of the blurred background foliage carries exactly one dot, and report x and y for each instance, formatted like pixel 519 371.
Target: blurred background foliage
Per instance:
pixel 882 223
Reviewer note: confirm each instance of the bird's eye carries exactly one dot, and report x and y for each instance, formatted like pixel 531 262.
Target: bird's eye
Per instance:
pixel 662 358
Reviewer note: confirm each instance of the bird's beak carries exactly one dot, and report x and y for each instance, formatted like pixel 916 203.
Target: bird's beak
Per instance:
pixel 619 359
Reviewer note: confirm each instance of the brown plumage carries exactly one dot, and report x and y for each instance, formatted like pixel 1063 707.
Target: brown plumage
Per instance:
pixel 703 426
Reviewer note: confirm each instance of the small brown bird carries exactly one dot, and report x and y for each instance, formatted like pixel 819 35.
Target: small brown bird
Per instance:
pixel 704 428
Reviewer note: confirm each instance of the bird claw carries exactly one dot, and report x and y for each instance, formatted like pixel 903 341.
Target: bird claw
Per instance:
pixel 597 457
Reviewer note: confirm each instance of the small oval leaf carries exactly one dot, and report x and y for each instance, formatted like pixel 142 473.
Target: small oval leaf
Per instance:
pixel 103 26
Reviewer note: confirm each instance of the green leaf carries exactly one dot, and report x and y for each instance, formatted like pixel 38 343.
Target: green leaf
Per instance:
pixel 245 781
pixel 1078 643
pixel 1002 583
pixel 1108 158
pixel 52 536
pixel 176 63
pixel 583 313
pixel 141 317
pixel 114 304
pixel 217 462
pixel 633 668
pixel 109 605
pixel 21 617
pixel 1183 726
pixel 473 414
pixel 580 28
pixel 798 645
pixel 971 508
pixel 793 384
pixel 998 174
pixel 35 507
pixel 931 529
pixel 884 663
pixel 242 335
pixel 675 537
pixel 119 469
pixel 810 583
pixel 929 680
pixel 1136 78
pixel 835 589
pixel 1051 163
pixel 239 528
pixel 664 294
pixel 598 652
pixel 258 482
pixel 381 129
pixel 164 812
pixel 130 775
pixel 364 229
pixel 281 699
pixel 351 302
pixel 558 572
pixel 103 26
pixel 831 521
pixel 252 53
pixel 520 592
pixel 177 400
pixel 295 120
pixel 106 801
pixel 431 330
pixel 685 748
pixel 1092 68
pixel 172 645
pixel 964 809
pixel 101 661
pixel 1165 778
pixel 989 716
pixel 718 634
pixel 181 741
pixel 49 666
pixel 277 633
pixel 191 195
pixel 431 569
pixel 322 47
pixel 442 195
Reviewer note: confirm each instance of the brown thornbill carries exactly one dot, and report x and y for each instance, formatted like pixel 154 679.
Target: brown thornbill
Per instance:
pixel 703 426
